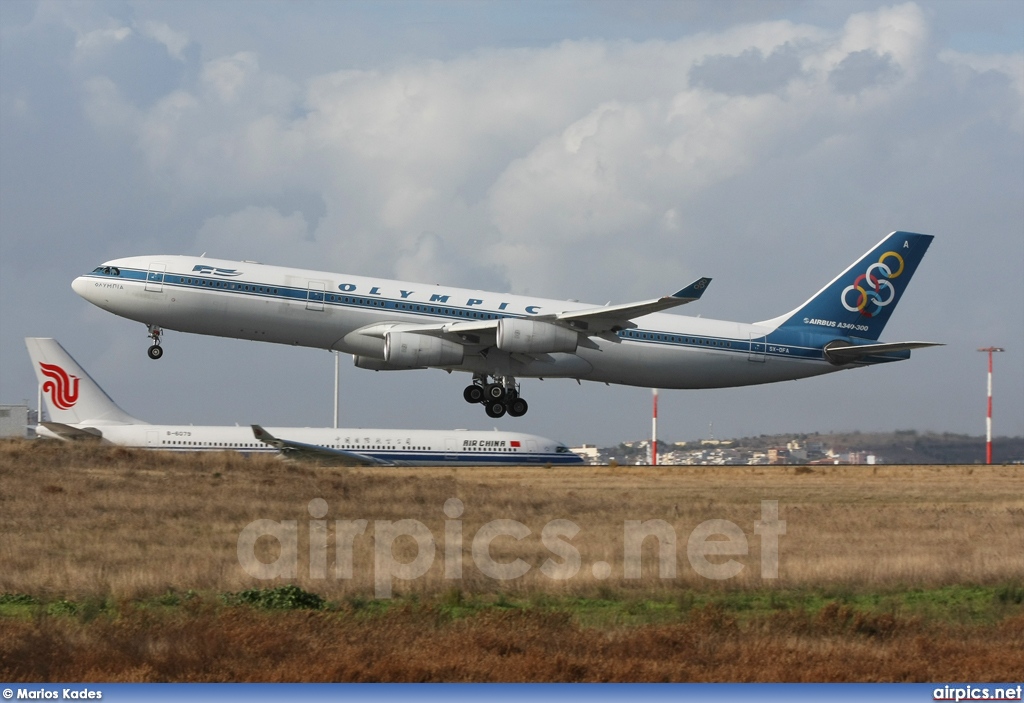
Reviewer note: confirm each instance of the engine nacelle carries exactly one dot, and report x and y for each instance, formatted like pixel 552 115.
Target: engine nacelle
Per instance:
pixel 364 345
pixel 371 364
pixel 416 350
pixel 533 337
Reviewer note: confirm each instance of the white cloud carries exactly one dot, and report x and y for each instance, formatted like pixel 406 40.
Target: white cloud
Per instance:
pixel 226 78
pixel 99 40
pixel 1011 66
pixel 521 159
pixel 256 234
pixel 174 41
pixel 900 31
pixel 107 109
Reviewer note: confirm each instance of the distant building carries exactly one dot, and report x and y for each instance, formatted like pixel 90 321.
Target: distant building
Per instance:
pixel 14 421
pixel 862 457
pixel 589 452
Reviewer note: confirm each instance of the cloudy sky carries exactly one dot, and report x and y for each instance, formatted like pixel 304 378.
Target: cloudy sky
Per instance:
pixel 602 151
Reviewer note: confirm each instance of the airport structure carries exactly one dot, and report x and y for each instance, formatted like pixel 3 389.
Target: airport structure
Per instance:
pixel 988 417
pixel 14 421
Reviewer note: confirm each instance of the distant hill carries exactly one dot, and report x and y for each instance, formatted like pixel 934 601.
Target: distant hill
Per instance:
pixel 908 446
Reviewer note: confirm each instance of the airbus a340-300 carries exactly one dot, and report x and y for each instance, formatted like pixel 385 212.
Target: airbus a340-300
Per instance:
pixel 498 337
pixel 79 410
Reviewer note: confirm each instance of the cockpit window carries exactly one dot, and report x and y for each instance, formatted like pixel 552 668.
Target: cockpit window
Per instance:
pixel 107 270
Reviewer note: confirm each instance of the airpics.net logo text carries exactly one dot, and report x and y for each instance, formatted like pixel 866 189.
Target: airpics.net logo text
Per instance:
pixel 710 547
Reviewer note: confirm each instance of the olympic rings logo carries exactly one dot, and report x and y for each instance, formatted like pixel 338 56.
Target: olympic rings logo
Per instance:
pixel 873 289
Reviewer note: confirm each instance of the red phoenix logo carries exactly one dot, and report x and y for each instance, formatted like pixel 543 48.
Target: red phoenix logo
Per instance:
pixel 63 389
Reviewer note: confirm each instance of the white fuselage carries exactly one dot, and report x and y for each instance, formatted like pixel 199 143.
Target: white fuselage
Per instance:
pixel 326 310
pixel 401 447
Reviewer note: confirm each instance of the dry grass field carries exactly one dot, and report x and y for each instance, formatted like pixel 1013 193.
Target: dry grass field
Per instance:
pixel 890 573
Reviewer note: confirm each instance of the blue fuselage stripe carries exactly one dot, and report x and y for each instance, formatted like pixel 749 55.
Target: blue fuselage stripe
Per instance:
pixel 433 457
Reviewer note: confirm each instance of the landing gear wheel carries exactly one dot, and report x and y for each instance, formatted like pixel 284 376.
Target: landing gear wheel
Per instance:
pixel 155 352
pixel 473 394
pixel 495 392
pixel 518 407
pixel 496 409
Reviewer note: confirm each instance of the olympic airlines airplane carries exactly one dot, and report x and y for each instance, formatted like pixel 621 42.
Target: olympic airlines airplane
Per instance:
pixel 497 337
pixel 79 409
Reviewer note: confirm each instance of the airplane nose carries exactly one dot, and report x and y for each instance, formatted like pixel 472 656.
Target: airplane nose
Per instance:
pixel 81 286
pixel 88 290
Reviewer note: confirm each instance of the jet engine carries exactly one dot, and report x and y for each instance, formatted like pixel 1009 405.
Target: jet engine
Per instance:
pixel 364 345
pixel 414 350
pixel 371 364
pixel 533 337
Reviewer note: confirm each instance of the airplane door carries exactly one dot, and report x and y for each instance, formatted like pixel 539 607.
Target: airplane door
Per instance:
pixel 451 448
pixel 152 438
pixel 757 349
pixel 155 278
pixel 531 447
pixel 315 294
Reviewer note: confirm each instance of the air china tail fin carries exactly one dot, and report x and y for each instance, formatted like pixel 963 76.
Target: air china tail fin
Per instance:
pixel 859 301
pixel 71 396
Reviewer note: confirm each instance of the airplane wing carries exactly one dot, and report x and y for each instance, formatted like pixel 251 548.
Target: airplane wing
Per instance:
pixel 844 354
pixel 590 321
pixel 301 450
pixel 612 318
pixel 73 433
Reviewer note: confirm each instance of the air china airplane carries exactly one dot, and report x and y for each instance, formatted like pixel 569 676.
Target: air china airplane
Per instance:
pixel 497 337
pixel 79 409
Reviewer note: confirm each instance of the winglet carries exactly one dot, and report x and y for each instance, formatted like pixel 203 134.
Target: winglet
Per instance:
pixel 693 291
pixel 265 437
pixel 613 317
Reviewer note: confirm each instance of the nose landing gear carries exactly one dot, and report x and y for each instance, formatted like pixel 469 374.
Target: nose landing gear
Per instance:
pixel 498 398
pixel 155 351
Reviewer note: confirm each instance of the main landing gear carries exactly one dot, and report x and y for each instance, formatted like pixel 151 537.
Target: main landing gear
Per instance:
pixel 498 398
pixel 155 351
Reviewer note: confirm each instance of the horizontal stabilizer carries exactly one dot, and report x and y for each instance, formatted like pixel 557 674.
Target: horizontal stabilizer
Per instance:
pixel 73 433
pixel 301 450
pixel 844 353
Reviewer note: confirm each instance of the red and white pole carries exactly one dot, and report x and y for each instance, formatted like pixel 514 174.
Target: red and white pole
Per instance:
pixel 654 430
pixel 988 417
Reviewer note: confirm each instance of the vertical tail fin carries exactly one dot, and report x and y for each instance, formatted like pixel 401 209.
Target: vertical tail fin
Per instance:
pixel 859 301
pixel 71 396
